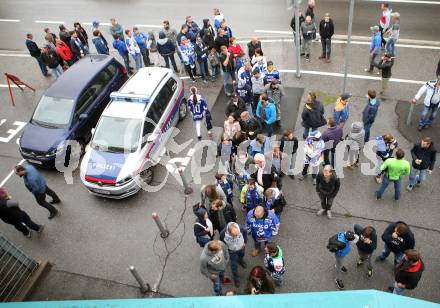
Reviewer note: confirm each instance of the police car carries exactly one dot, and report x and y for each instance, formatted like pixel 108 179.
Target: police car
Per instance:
pixel 132 132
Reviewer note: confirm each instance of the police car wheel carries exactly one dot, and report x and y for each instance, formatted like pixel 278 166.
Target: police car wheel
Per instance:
pixel 182 110
pixel 147 175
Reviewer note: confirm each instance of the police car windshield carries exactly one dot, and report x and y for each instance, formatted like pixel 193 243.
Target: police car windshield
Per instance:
pixel 53 112
pixel 118 135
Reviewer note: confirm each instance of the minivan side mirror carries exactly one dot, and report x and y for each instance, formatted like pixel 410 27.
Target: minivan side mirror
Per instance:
pixel 83 116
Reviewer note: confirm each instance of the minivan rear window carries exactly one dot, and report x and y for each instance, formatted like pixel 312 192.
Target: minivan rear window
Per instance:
pixel 53 111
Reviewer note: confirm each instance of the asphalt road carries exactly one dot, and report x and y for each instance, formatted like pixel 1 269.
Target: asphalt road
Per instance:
pixel 101 238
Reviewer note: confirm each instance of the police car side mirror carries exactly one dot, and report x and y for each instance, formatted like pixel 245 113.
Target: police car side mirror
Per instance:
pixel 152 137
pixel 92 131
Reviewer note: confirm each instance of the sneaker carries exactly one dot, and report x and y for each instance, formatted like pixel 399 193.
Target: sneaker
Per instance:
pixel 205 81
pixel 243 208
pixel 308 58
pixel 339 284
pixel 302 54
pixel 377 196
pixel 29 235
pixel 329 214
pixel 255 252
pixel 368 70
pixel 409 188
pixel 53 214
pixel 193 79
pixel 314 181
pixel 379 259
pixel 378 179
pixel 242 263
pixel 40 228
pixel 359 262
pixel 420 128
pixel 327 60
pixel 351 167
pixel 55 201
pixel 292 176
pixel 391 289
pixel 320 212
pixel 301 177
pixel 370 273
pixel 199 138
pixel 344 269
pixel 321 57
pixel 226 280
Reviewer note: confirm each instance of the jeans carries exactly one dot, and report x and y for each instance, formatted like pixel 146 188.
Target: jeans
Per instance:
pixel 372 63
pixel 42 66
pixel 339 264
pixel 25 223
pixel 41 200
pixel 203 68
pixel 398 257
pixel 226 76
pixel 214 71
pixel 306 46
pixel 249 109
pixel 269 128
pixel 126 62
pixel 326 47
pixel 386 181
pixel 424 119
pixel 385 82
pixel 203 241
pixel 397 290
pixel 235 256
pixel 137 59
pixel 57 71
pixel 367 128
pixel 326 201
pixel 217 283
pixel 167 59
pixel 329 157
pixel 146 56
pixel 257 244
pixel 390 47
pixel 307 131
pixel 417 176
pixel 353 157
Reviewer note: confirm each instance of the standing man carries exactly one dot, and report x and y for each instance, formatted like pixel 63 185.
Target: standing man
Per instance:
pixel 266 114
pixel 431 102
pixel 101 47
pixel 171 34
pixel 370 112
pixel 293 26
pixel 122 50
pixel 77 47
pixel 394 169
pixel 213 262
pixel 221 40
pixel 133 49
pixel 262 224
pixel 340 245
pixel 326 31
pixel 116 29
pixel 235 238
pixel 327 187
pixel 375 47
pixel 331 136
pixel 36 184
pixel 52 60
pixel 342 111
pixel 423 160
pixel 252 46
pixel 312 115
pixel 366 245
pixel 35 52
pixel 142 41
pixel 228 67
pixel 397 237
pixel 393 34
pixel 11 214
pixel 385 65
pixel 308 30
pixel 408 272
pixel 384 22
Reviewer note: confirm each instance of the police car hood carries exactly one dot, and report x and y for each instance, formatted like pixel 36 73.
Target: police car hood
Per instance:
pixel 108 167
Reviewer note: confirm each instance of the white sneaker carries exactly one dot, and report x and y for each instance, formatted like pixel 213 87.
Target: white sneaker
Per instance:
pixel 320 212
pixel 329 214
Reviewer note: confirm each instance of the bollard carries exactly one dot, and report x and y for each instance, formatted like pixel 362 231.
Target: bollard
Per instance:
pixel 187 189
pixel 145 287
pixel 410 112
pixel 210 135
pixel 164 233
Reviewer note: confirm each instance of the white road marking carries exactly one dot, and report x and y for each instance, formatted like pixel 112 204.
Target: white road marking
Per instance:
pixel 150 26
pixel 354 76
pixel 10 174
pixel 12 132
pixel 49 22
pixel 407 1
pixel 14 55
pixel 100 24
pixel 5 86
pixel 10 20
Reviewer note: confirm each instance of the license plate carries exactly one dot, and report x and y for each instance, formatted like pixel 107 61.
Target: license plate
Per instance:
pixel 35 161
pixel 101 191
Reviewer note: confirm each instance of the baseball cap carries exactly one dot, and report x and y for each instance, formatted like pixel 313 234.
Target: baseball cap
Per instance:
pixel 345 96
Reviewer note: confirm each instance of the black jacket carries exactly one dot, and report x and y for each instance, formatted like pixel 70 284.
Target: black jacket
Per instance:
pixel 33 49
pixel 251 48
pixel 228 213
pixel 208 36
pixel 326 30
pixel 235 109
pixel 329 189
pixel 385 66
pixel 293 22
pixel 251 128
pixel 295 144
pixel 409 274
pixel 400 244
pixel 200 51
pixel 426 155
pixel 221 41
pixel 51 58
pixel 314 117
pixel 370 112
pixel 165 47
pixel 10 213
pixel 365 247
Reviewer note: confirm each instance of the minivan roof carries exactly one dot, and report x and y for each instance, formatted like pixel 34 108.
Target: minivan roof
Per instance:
pixel 71 83
pixel 145 81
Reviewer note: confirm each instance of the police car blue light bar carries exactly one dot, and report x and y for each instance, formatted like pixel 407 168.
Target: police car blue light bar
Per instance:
pixel 129 98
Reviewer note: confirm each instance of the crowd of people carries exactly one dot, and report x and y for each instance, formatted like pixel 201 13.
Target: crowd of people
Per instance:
pixel 254 164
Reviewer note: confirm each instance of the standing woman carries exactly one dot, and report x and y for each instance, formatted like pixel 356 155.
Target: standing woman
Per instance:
pixel 231 126
pixel 234 47
pixel 198 107
pixel 82 34
pixel 188 57
pixel 202 57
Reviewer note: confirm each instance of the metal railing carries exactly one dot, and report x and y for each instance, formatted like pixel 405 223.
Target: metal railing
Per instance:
pixel 15 269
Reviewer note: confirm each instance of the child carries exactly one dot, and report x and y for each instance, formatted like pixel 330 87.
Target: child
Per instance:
pixel 251 195
pixel 274 262
pixel 355 143
pixel 226 185
pixel 224 151
pixel 214 63
pixel 272 73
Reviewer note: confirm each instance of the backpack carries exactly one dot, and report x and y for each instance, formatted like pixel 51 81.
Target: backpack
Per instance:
pixel 334 245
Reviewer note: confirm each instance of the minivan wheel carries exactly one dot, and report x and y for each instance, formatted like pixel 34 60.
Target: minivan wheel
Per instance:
pixel 147 175
pixel 182 110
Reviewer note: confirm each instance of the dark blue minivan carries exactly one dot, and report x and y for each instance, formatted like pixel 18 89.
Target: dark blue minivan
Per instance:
pixel 71 107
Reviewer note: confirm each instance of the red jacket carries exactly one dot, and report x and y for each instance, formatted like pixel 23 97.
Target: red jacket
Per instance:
pixel 64 51
pixel 236 50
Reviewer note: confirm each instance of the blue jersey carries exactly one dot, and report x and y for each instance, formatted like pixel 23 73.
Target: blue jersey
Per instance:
pixel 198 110
pixel 262 229
pixel 272 75
pixel 227 187
pixel 245 93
